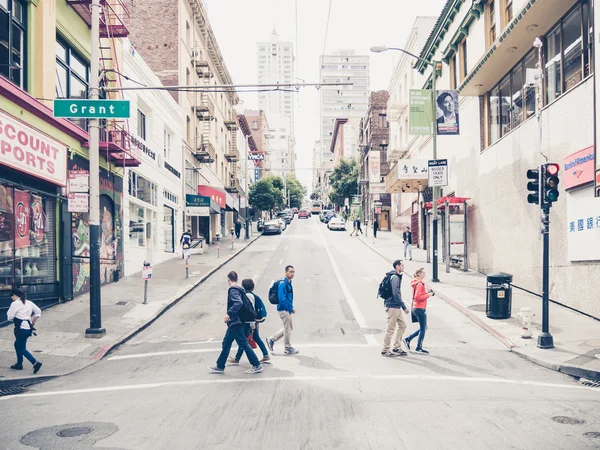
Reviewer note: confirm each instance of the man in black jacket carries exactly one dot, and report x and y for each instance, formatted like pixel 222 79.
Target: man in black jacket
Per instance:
pixel 393 308
pixel 235 328
pixel 407 241
pixel 238 229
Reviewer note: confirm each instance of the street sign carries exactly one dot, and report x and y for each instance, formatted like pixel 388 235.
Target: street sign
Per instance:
pixel 78 202
pixel 438 172
pixel 91 109
pixel 256 156
pixel 79 181
pixel 356 200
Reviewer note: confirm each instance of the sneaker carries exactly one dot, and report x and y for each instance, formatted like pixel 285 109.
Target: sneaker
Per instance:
pixel 36 367
pixel 232 360
pixel 407 343
pixel 291 351
pixel 399 352
pixel 265 359
pixel 17 367
pixel 254 369
pixel 215 369
pixel 390 354
pixel 410 258
pixel 270 343
pixel 422 350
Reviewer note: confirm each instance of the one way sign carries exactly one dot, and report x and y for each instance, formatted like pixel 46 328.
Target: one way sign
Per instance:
pixel 438 172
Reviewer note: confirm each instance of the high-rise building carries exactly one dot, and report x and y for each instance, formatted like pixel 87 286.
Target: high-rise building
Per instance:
pixel 342 102
pixel 275 60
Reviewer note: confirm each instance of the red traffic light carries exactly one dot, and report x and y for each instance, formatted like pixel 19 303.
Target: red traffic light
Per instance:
pixel 552 169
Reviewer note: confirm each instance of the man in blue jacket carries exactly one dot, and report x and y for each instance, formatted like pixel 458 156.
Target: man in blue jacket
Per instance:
pixel 285 294
pixel 235 328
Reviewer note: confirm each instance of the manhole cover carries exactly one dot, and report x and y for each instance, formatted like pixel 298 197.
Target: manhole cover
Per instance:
pixel 480 308
pixel 366 330
pixel 568 420
pixel 122 303
pixel 75 431
pixel 592 434
pixel 11 391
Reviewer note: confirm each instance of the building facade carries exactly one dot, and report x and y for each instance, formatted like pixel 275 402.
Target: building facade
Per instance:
pixel 261 134
pixel 178 44
pixel 511 120
pixel 275 65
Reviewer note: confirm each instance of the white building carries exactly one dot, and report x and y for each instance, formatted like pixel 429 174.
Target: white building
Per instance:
pixel 152 203
pixel 342 102
pixel 275 60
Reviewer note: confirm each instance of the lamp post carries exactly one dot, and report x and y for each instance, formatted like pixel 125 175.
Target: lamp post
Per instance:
pixel 435 65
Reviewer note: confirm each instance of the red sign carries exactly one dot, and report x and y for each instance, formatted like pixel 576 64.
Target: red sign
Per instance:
pixel 579 168
pixel 26 149
pixel 22 219
pixel 216 194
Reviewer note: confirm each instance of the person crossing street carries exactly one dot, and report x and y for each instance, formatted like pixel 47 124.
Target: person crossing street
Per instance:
pixel 394 306
pixel 285 307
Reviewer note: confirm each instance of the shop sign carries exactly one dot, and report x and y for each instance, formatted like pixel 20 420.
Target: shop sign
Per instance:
pixel 420 112
pixel 583 225
pixel 78 202
pixel 377 188
pixel 579 168
pixel 25 149
pixel 79 181
pixel 413 169
pixel 252 156
pixel 143 147
pixel 216 194
pixel 202 211
pixel 172 169
pixel 196 200
pixel 374 166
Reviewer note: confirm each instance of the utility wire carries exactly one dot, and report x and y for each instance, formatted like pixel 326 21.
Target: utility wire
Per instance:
pixel 327 27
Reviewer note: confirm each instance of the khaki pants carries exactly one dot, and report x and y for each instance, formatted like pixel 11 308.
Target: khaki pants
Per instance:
pixel 286 331
pixel 395 318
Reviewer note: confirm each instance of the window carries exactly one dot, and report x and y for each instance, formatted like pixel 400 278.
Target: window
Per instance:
pixel 141 124
pixel 491 23
pixel 167 145
pixel 553 65
pixel 142 189
pixel 508 11
pixel 72 75
pixel 187 34
pixel 383 123
pixel 255 124
pixel 452 67
pixel 13 40
pixel 572 49
pixel 464 59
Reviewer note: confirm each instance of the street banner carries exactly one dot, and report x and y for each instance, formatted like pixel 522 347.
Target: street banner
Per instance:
pixel 420 112
pixel 447 113
pixel 22 219
pixel 374 166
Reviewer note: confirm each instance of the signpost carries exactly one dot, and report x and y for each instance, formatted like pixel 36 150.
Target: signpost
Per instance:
pixel 438 172
pixel 91 109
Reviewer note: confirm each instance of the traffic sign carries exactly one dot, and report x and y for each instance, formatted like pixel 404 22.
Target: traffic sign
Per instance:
pixel 91 109
pixel 438 172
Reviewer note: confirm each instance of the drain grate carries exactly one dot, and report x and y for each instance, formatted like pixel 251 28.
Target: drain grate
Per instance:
pixel 568 420
pixel 12 391
pixel 74 432
pixel 121 303
pixel 589 383
pixel 480 308
pixel 592 434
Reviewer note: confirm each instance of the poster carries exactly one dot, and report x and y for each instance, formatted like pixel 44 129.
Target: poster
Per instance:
pixel 583 225
pixel 374 166
pixel 447 113
pixel 420 112
pixel 22 219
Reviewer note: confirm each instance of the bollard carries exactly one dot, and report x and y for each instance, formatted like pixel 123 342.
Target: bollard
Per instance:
pixel 186 256
pixel 232 238
pixel 146 275
pixel 218 250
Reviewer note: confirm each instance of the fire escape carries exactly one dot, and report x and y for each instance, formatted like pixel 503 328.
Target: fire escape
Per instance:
pixel 115 139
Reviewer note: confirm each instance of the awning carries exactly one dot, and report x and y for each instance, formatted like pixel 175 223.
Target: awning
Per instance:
pixel 215 194
pixel 230 202
pixel 446 199
pixel 407 175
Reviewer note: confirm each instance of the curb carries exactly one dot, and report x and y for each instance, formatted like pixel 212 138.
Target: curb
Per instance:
pixel 574 371
pixel 105 351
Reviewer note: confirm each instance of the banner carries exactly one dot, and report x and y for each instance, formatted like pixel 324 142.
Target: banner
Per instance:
pixel 374 166
pixel 420 112
pixel 447 113
pixel 22 219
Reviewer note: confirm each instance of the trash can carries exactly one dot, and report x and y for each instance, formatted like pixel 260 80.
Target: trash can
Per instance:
pixel 498 298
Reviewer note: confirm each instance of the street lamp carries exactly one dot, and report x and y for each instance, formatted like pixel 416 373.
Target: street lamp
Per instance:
pixel 436 66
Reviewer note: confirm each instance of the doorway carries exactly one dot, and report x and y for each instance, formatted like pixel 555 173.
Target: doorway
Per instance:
pixel 384 221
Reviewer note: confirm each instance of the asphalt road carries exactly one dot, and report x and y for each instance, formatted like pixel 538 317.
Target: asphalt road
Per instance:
pixel 155 392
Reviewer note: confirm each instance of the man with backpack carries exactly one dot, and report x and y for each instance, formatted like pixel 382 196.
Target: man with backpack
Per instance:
pixel 389 290
pixel 185 241
pixel 239 311
pixel 282 294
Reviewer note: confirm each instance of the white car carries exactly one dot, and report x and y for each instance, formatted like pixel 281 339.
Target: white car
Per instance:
pixel 282 223
pixel 337 223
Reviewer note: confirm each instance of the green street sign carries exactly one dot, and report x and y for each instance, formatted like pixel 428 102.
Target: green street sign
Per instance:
pixel 91 109
pixel 196 200
pixel 420 112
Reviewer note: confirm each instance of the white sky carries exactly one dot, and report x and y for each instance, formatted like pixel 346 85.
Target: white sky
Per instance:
pixel 353 24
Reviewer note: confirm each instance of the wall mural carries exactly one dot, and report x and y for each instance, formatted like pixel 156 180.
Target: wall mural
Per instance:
pixel 111 231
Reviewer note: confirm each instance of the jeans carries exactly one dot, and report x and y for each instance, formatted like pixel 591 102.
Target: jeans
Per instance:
pixel 421 314
pixel 236 333
pixel 21 346
pixel 286 331
pixel 408 247
pixel 256 338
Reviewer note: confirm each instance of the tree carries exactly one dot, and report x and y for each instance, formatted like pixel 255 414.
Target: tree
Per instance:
pixel 265 196
pixel 296 192
pixel 344 181
pixel 314 196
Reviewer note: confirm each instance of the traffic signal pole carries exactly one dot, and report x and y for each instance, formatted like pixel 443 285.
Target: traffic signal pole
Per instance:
pixel 545 339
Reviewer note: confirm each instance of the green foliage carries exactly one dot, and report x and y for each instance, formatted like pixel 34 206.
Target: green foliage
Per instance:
pixel 344 181
pixel 314 196
pixel 267 194
pixel 296 192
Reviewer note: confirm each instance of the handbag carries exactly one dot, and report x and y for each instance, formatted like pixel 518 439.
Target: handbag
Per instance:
pixel 251 340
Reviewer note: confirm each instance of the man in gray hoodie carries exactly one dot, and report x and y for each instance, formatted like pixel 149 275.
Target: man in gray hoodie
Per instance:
pixel 393 308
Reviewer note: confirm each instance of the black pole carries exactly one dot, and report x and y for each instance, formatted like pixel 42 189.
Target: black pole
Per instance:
pixel 95 328
pixel 434 275
pixel 247 222
pixel 545 339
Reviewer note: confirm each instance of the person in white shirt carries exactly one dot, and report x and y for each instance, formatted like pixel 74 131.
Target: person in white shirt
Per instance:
pixel 24 314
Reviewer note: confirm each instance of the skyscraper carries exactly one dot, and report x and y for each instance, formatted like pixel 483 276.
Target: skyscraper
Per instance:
pixel 276 65
pixel 342 102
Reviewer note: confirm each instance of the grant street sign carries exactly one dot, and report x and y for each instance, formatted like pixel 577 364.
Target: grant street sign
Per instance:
pixel 91 109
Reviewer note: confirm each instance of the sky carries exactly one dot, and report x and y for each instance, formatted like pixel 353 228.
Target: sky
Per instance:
pixel 353 24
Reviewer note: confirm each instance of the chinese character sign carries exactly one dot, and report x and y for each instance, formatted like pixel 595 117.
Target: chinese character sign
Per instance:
pixel 413 169
pixel 447 113
pixel 583 225
pixel 420 112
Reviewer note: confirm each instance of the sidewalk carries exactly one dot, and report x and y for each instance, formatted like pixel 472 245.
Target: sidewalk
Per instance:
pixel 61 344
pixel 576 336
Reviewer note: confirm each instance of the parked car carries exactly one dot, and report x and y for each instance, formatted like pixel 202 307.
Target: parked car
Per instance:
pixel 327 215
pixel 295 210
pixel 282 223
pixel 259 225
pixel 272 227
pixel 285 216
pixel 336 223
pixel 303 213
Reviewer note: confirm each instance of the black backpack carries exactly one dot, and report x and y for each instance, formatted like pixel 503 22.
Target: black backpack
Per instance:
pixel 247 313
pixel 385 287
pixel 273 293
pixel 259 307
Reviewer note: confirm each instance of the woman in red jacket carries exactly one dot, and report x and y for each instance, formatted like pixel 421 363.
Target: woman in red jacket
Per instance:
pixel 419 309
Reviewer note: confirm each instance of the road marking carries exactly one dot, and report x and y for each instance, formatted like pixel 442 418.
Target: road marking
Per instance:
pixel 261 379
pixel 218 349
pixel 280 261
pixel 362 323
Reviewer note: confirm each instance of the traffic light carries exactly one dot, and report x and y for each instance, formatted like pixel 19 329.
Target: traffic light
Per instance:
pixel 533 186
pixel 550 183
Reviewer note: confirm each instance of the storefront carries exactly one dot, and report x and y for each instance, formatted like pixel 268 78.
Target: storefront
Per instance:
pixel 202 209
pixel 217 221
pixel 33 172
